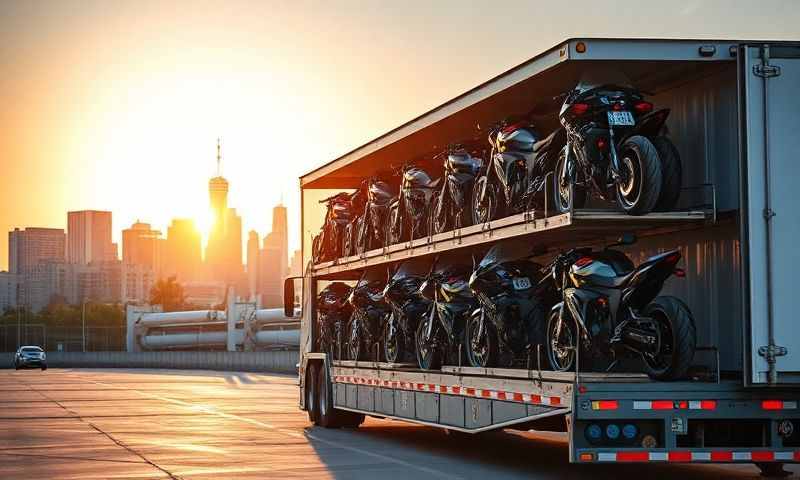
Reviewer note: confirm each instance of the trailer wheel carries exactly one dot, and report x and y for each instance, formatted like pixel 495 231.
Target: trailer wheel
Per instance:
pixel 330 416
pixel 311 392
pixel 678 338
pixel 671 172
pixel 772 470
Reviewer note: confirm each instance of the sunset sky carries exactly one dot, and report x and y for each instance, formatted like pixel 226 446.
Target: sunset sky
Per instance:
pixel 116 105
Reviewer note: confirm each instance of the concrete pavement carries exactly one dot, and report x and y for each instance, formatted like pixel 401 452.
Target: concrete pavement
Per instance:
pixel 178 424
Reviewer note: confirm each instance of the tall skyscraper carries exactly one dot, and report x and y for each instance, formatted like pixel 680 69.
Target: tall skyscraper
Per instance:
pixel 141 245
pixel 274 260
pixel 29 247
pixel 252 262
pixel 8 291
pixel 182 257
pixel 89 237
pixel 224 249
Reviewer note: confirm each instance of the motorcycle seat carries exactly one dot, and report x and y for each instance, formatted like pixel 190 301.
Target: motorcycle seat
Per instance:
pixel 547 142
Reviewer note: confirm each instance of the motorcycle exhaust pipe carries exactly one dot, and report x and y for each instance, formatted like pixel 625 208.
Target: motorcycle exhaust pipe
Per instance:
pixel 639 340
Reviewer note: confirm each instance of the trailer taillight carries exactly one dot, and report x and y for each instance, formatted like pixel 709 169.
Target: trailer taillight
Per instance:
pixel 778 405
pixel 605 405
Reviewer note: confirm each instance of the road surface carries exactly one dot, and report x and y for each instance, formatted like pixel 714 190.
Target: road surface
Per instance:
pixel 181 424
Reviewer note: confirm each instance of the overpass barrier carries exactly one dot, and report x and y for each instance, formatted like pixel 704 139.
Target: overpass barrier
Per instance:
pixel 263 361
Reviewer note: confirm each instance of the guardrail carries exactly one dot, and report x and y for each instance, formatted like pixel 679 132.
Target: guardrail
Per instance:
pixel 270 361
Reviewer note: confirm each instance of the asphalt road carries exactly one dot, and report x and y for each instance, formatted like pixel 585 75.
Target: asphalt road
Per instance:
pixel 177 424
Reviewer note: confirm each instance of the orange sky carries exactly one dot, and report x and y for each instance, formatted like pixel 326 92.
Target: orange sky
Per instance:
pixel 117 105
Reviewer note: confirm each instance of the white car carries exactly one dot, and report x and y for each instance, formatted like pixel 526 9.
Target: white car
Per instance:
pixel 30 357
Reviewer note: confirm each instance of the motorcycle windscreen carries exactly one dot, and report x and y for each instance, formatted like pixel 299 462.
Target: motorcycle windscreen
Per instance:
pixel 416 267
pixel 595 76
pixel 452 263
pixel 770 216
pixel 507 251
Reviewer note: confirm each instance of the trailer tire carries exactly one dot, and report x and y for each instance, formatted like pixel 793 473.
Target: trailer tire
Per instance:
pixel 311 392
pixel 671 173
pixel 683 337
pixel 330 416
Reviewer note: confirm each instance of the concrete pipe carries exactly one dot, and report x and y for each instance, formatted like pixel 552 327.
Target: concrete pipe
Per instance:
pixel 267 338
pixel 150 320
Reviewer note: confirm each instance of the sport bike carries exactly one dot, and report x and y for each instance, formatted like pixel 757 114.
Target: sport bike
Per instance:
pixel 373 229
pixel 453 202
pixel 369 311
pixel 610 310
pixel 407 307
pixel 440 333
pixel 409 214
pixel 510 321
pixel 339 215
pixel 333 311
pixel 615 148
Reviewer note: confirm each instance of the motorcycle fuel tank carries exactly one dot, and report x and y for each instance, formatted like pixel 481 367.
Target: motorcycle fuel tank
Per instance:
pixel 417 178
pixel 516 140
pixel 463 163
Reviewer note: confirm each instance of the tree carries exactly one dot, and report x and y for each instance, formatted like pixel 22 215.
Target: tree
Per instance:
pixel 168 293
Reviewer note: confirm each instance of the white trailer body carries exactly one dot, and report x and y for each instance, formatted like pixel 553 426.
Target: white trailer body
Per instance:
pixel 734 114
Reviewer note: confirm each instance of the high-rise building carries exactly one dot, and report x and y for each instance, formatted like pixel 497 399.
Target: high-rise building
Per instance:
pixel 274 260
pixel 296 264
pixel 141 245
pixel 224 250
pixel 89 237
pixel 137 280
pixel 252 262
pixel 8 291
pixel 182 257
pixel 29 247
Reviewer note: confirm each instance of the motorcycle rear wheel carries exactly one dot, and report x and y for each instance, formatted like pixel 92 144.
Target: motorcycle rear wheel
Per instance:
pixel 678 339
pixel 640 187
pixel 481 352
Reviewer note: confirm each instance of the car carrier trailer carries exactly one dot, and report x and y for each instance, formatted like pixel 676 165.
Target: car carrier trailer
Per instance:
pixel 734 117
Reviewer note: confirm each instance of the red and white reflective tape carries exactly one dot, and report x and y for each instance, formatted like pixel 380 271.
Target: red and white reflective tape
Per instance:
pixel 455 390
pixel 683 456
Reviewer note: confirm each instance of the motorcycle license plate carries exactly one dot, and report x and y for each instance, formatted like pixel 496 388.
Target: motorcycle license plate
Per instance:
pixel 522 283
pixel 620 118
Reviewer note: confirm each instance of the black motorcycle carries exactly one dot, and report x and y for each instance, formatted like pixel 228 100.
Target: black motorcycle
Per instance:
pixel 333 311
pixel 409 214
pixel 373 228
pixel 510 322
pixel 610 310
pixel 453 202
pixel 407 307
pixel 615 148
pixel 358 201
pixel 338 216
pixel 440 333
pixel 369 311
pixel 501 189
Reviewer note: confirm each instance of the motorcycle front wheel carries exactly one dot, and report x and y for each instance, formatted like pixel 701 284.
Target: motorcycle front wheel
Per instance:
pixel 561 342
pixel 481 346
pixel 428 354
pixel 678 337
pixel 354 343
pixel 394 344
pixel 440 220
pixel 639 187
pixel 563 195
pixel 484 201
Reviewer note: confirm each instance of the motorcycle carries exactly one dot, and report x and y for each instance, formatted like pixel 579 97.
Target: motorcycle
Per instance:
pixel 500 190
pixel 610 310
pixel 440 333
pixel 614 148
pixel 513 305
pixel 333 311
pixel 358 201
pixel 373 231
pixel 369 310
pixel 407 307
pixel 453 201
pixel 408 216
pixel 339 214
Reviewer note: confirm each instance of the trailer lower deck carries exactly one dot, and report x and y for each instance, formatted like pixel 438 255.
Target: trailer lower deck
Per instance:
pixel 610 417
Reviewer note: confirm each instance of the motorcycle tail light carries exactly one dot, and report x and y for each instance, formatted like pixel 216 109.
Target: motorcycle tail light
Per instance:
pixel 617 107
pixel 583 261
pixel 680 273
pixel 579 108
pixel 674 257
pixel 643 107
pixel 601 143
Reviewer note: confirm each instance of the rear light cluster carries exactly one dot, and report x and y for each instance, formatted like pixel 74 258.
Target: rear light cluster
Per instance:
pixel 778 405
pixel 643 107
pixel 579 108
pixel 659 405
